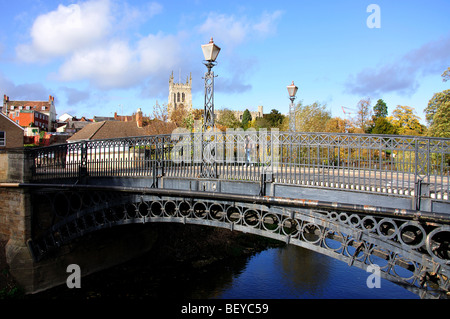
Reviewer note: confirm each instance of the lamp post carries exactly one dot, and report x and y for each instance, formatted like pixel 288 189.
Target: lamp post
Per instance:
pixel 210 52
pixel 292 90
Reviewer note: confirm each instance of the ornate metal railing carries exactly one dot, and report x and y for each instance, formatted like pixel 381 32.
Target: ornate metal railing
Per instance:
pixel 401 165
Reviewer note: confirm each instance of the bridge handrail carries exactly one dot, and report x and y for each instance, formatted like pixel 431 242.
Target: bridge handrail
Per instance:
pixel 401 165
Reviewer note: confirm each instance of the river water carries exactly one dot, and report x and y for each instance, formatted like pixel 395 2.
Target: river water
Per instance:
pixel 287 272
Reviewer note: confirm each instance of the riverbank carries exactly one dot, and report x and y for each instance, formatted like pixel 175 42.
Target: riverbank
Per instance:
pixel 9 289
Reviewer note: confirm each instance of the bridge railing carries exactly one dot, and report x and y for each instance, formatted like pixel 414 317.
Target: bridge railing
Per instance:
pixel 402 165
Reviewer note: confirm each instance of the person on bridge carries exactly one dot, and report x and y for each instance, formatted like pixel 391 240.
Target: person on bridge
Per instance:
pixel 248 148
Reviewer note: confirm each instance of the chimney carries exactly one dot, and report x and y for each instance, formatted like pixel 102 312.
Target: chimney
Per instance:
pixel 139 118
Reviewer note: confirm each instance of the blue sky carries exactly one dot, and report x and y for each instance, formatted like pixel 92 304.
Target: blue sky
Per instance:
pixel 101 56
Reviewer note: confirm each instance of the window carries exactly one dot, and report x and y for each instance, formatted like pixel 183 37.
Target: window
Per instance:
pixel 2 138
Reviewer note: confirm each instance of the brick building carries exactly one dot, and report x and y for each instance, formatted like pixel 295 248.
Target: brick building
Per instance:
pixel 11 133
pixel 30 118
pixel 45 107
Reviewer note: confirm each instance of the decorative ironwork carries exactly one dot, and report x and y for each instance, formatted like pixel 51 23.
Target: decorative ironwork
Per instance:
pixel 364 163
pixel 409 252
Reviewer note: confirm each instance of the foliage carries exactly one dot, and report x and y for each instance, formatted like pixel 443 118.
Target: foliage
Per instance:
pixel 337 125
pixel 438 114
pixel 380 110
pixel 363 119
pixel 246 119
pixel 406 121
pixel 383 126
pixel 228 119
pixel 446 75
pixel 312 118
pixel 274 118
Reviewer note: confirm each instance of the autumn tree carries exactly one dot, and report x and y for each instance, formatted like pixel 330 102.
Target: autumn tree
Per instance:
pixel 338 125
pixel 363 119
pixel 312 118
pixel 446 75
pixel 228 119
pixel 383 126
pixel 437 114
pixel 406 121
pixel 160 112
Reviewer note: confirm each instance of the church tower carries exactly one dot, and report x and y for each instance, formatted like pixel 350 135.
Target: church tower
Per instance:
pixel 180 95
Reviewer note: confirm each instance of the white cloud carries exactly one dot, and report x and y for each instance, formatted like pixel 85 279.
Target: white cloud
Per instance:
pixel 66 29
pixel 232 31
pixel 106 66
pixel 117 65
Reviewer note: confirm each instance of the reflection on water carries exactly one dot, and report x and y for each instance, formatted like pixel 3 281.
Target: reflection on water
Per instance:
pixel 294 272
pixel 289 272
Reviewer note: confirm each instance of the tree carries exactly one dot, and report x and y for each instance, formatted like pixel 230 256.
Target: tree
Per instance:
pixel 336 125
pixel 383 126
pixel 228 119
pixel 380 110
pixel 437 114
pixel 446 75
pixel 363 119
pixel 160 112
pixel 274 118
pixel 246 119
pixel 312 118
pixel 406 121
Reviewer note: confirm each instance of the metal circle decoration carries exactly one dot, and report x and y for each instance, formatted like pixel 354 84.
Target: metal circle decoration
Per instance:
pixel 170 208
pixel 143 209
pixel 354 220
pixel 200 210
pixel 333 216
pixel 234 214
pixel 156 209
pixel 437 244
pixel 290 227
pixel 412 234
pixel 380 257
pixel 333 240
pixel 251 218
pixel 185 209
pixel 343 218
pixel 270 222
pixel 309 233
pixel 216 211
pixel 369 223
pixel 387 228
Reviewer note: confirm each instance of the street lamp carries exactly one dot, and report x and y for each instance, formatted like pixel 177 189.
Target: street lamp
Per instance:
pixel 210 52
pixel 292 90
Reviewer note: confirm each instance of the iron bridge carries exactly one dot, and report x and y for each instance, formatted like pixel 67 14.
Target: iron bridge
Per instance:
pixel 363 199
